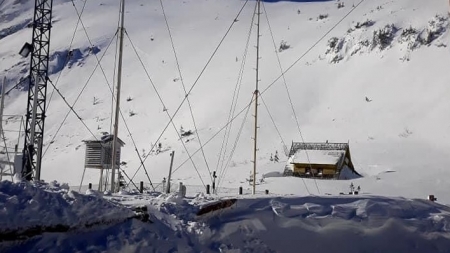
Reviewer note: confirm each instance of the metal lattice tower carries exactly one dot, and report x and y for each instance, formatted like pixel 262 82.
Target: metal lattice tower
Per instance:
pixel 37 90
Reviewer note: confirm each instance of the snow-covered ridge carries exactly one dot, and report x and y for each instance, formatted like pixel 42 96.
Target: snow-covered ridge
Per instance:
pixel 264 224
pixel 332 225
pixel 272 223
pixel 358 40
pixel 24 206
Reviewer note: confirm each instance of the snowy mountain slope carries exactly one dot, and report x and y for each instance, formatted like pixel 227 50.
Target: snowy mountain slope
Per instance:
pixel 402 130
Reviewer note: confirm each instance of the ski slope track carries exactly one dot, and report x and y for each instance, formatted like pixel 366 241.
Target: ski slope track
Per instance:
pixel 372 73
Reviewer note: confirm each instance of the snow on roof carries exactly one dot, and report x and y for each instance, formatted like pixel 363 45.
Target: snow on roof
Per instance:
pixel 317 156
pixel 105 139
pixel 316 146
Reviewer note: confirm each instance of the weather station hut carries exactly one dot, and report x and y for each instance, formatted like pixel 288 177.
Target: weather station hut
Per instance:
pixel 321 160
pixel 98 155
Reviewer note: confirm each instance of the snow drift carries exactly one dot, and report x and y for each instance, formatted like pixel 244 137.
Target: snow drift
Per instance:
pixel 25 205
pixel 344 224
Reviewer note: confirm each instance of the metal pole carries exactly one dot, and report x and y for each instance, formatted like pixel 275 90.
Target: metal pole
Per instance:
pixel 100 182
pixel 31 147
pixel 214 182
pixel 256 99
pixel 172 155
pixel 20 130
pixel 2 103
pixel 33 121
pixel 38 161
pixel 119 81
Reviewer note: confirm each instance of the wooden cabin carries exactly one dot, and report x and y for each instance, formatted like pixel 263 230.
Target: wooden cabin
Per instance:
pixel 321 160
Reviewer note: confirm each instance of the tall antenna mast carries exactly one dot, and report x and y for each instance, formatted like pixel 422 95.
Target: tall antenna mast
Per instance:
pixel 256 94
pixel 117 110
pixel 37 91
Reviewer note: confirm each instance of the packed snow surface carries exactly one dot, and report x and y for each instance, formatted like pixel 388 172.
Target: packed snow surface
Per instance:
pixel 264 224
pixel 24 205
pixel 378 80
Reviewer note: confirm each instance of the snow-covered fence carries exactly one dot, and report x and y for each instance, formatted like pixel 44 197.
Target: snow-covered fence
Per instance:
pixel 191 190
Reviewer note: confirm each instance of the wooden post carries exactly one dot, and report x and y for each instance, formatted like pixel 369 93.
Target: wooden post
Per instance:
pixel 90 186
pixel 208 189
pixel 172 155
pixel 240 190
pixel 214 182
pixel 141 187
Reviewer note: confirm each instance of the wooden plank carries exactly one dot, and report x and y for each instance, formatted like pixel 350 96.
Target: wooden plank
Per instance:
pixel 328 172
pixel 216 206
pixel 299 170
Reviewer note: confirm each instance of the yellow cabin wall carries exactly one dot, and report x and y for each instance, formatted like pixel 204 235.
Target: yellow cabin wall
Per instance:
pixel 328 169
